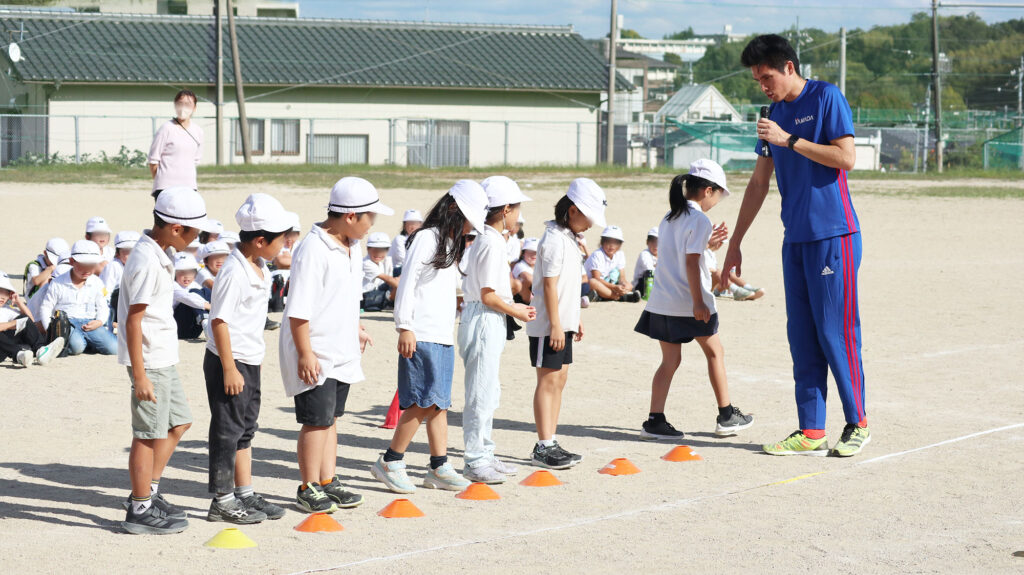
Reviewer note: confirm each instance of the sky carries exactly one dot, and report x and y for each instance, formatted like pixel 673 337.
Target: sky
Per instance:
pixel 651 18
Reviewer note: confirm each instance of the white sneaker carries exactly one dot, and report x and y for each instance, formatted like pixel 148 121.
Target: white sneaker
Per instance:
pixel 485 473
pixel 445 477
pixel 584 301
pixel 392 474
pixel 24 358
pixel 503 467
pixel 45 354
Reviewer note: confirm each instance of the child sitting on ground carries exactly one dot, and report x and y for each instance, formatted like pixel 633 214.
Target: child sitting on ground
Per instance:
pixel 124 242
pixel 522 271
pixel 190 307
pixel 78 295
pixel 739 288
pixel 605 269
pixel 20 338
pixel 97 230
pixel 213 255
pixel 379 282
pixel 645 263
pixel 412 220
pixel 40 271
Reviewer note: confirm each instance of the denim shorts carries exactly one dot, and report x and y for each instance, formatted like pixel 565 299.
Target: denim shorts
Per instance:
pixel 425 379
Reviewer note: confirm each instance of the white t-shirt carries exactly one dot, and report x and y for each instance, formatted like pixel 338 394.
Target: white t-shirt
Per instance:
pixel 520 268
pixel 610 268
pixel 397 250
pixel 557 255
pixel 203 275
pixel 486 267
pixel 371 270
pixel 86 302
pixel 32 271
pixel 8 313
pixel 645 262
pixel 325 289
pixel 149 279
pixel 111 276
pixel 514 247
pixel 687 234
pixel 240 299
pixel 710 259
pixel 186 296
pixel 425 300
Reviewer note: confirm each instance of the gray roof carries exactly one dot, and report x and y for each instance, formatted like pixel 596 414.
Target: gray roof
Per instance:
pixel 679 104
pixel 181 50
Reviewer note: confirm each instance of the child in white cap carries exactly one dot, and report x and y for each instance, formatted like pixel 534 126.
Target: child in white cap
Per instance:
pixel 124 242
pixel 213 256
pixel 515 235
pixel 412 220
pixel 425 318
pixel 379 281
pixel 606 269
pixel 79 295
pixel 207 237
pixel 191 308
pixel 522 271
pixel 645 262
pixel 41 270
pixel 20 338
pixel 482 332
pixel 681 307
pixel 97 230
pixel 281 265
pixel 147 346
pixel 234 353
pixel 322 340
pixel 557 299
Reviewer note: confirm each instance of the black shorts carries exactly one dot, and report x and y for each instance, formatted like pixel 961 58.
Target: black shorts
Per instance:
pixel 675 329
pixel 549 358
pixel 319 406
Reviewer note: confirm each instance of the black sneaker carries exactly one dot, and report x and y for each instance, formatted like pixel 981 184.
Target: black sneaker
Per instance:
pixel 576 458
pixel 736 421
pixel 344 498
pixel 256 502
pixel 312 499
pixel 234 511
pixel 162 504
pixel 659 429
pixel 152 521
pixel 551 457
pixel 271 325
pixel 631 297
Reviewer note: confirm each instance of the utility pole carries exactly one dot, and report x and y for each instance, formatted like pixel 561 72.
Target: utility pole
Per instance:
pixel 1020 100
pixel 610 126
pixel 219 9
pixel 927 124
pixel 243 121
pixel 937 82
pixel 842 60
pixel 797 37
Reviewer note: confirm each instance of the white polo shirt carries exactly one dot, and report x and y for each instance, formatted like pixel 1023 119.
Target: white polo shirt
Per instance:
pixel 557 255
pixel 487 267
pixel 326 288
pixel 149 279
pixel 687 234
pixel 240 299
pixel 371 270
pixel 397 250
pixel 203 274
pixel 514 247
pixel 520 268
pixel 8 313
pixel 600 261
pixel 645 262
pixel 86 302
pixel 111 276
pixel 425 300
pixel 185 295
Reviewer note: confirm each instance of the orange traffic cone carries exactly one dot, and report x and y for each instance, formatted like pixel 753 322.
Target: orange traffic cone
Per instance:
pixel 682 453
pixel 540 478
pixel 394 412
pixel 318 522
pixel 620 466
pixel 400 508
pixel 478 492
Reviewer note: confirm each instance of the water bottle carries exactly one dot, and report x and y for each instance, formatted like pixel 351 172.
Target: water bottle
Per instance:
pixel 648 284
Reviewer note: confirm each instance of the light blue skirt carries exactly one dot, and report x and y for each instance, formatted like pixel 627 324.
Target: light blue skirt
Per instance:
pixel 425 379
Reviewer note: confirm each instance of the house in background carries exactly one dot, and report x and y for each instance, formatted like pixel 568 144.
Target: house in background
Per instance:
pixel 261 8
pixel 697 103
pixel 320 91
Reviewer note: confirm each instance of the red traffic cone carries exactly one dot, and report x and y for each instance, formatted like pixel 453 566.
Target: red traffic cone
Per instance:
pixel 394 412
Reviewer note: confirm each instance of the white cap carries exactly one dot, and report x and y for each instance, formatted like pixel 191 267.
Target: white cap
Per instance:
pixel 184 206
pixel 214 248
pixel 589 199
pixel 97 225
pixel 351 195
pixel 412 216
pixel 86 252
pixel 228 237
pixel 296 222
pixel 653 232
pixel 613 233
pixel 185 261
pixel 521 219
pixel 57 249
pixel 195 245
pixel 472 201
pixel 126 239
pixel 218 227
pixel 5 283
pixel 530 244
pixel 378 240
pixel 501 191
pixel 263 212
pixel 710 171
pixel 472 234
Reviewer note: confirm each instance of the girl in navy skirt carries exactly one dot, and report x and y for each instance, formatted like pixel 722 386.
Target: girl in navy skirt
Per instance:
pixel 681 307
pixel 425 319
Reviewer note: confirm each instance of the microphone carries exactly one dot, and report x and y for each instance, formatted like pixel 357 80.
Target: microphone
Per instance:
pixel 765 150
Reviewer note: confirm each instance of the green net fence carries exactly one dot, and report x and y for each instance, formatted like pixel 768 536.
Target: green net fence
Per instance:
pixel 1005 151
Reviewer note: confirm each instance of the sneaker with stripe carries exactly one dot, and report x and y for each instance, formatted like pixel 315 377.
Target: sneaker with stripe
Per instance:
pixel 798 444
pixel 852 441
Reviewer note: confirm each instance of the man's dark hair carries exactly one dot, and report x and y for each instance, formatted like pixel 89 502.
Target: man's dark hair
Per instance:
pixel 770 50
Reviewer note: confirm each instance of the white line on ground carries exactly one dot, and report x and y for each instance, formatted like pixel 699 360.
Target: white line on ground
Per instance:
pixel 631 512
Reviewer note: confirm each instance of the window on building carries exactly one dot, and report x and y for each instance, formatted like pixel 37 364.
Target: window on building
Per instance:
pixel 277 12
pixel 256 137
pixel 284 137
pixel 437 143
pixel 177 7
pixel 339 149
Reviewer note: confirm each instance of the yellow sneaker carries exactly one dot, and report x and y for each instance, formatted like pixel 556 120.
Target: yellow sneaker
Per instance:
pixel 798 444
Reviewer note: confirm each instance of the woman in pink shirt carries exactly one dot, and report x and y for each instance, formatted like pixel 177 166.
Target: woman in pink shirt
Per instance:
pixel 177 147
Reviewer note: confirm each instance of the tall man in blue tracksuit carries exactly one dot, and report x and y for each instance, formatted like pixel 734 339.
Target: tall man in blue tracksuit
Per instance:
pixel 807 140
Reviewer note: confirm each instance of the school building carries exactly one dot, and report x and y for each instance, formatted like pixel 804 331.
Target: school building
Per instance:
pixel 318 91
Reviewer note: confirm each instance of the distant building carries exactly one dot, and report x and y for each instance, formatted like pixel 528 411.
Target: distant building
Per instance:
pixel 260 8
pixel 697 103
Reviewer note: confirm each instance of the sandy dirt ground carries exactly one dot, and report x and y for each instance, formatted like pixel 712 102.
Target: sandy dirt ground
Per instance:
pixel 938 489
